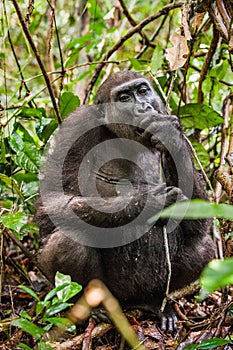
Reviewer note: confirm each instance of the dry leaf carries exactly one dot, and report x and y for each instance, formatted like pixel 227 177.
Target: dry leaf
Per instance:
pixel 178 54
pixel 197 20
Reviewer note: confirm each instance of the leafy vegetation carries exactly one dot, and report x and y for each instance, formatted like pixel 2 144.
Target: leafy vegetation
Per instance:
pixel 53 57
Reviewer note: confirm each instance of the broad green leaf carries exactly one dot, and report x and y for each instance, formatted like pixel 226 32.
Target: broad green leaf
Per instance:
pixel 16 142
pixel 208 344
pixel 68 103
pixel 48 130
pixel 7 123
pixel 219 70
pixel 55 309
pixel 70 290
pixel 40 306
pixel 11 184
pixel 217 274
pixel 31 112
pixel 60 321
pixel 54 291
pixel 30 126
pixel 157 59
pixel 199 116
pixel 29 158
pixel 24 346
pixel 30 292
pixel 14 221
pixel 28 327
pixel 195 209
pixel 136 64
pixel 202 154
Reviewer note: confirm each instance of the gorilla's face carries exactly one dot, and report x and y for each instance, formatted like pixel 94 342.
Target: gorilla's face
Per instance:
pixel 131 103
pixel 136 98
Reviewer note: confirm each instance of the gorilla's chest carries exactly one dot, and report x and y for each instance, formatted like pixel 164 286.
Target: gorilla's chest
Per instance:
pixel 126 175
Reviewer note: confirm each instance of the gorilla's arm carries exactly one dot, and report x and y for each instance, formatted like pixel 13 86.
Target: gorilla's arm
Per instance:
pixel 104 212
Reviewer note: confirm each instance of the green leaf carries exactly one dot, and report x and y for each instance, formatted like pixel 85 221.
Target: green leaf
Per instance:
pixel 54 291
pixel 16 142
pixel 28 327
pixel 70 290
pixel 44 346
pixel 55 309
pixel 208 344
pixel 199 116
pixel 217 274
pixel 202 154
pixel 14 221
pixel 31 112
pixel 68 103
pixel 29 158
pixel 219 70
pixel 48 130
pixel 24 346
pixel 60 322
pixel 11 184
pixel 30 126
pixel 136 64
pixel 195 209
pixel 30 292
pixel 157 59
pixel 40 306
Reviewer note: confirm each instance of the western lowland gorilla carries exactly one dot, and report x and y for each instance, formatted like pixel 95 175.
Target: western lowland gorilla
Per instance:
pixel 110 168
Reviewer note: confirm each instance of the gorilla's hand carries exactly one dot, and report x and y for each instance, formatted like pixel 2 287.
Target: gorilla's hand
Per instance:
pixel 163 131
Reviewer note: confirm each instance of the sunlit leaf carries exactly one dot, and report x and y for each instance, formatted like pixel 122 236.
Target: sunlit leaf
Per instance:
pixel 68 103
pixel 28 158
pixel 195 209
pixel 201 152
pixel 30 126
pixel 11 184
pixel 28 327
pixel 217 274
pixel 70 290
pixel 55 309
pixel 30 292
pixel 195 115
pixel 14 221
pixel 208 344
pixel 157 59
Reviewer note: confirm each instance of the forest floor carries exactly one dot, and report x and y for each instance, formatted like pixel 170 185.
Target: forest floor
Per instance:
pixel 197 321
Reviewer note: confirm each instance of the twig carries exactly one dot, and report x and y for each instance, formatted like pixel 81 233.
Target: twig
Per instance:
pixel 34 49
pixel 152 38
pixel 200 165
pixel 26 252
pixel 87 336
pixel 169 265
pixel 207 62
pixel 121 41
pixel 224 149
pixel 134 23
pixel 174 76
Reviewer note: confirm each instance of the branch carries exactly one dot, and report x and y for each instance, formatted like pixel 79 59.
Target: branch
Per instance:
pixel 134 23
pixel 34 49
pixel 121 41
pixel 206 63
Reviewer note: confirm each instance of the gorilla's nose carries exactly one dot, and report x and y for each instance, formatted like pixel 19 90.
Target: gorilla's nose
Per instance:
pixel 144 108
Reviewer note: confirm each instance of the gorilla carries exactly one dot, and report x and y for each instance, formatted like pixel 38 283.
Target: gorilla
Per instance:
pixel 110 168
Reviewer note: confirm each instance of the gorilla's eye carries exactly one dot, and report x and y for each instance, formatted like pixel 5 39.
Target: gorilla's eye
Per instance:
pixel 124 98
pixel 142 90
